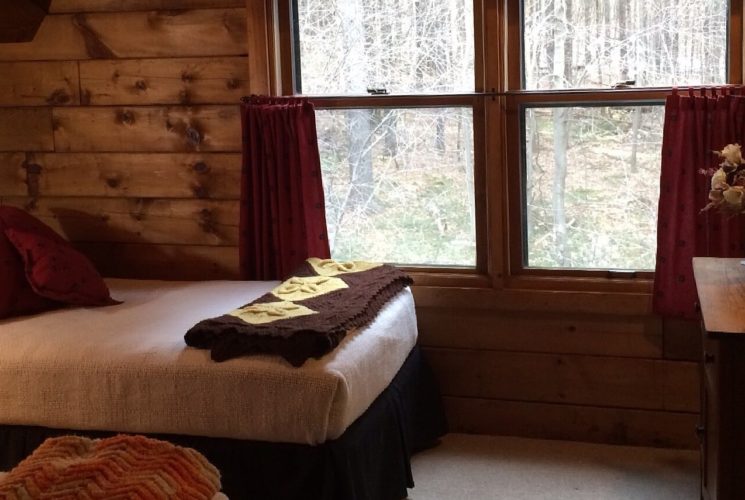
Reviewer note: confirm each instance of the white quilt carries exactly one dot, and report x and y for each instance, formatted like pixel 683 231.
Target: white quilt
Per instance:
pixel 126 368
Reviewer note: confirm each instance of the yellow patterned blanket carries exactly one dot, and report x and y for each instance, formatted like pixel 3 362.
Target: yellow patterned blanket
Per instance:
pixel 306 316
pixel 117 468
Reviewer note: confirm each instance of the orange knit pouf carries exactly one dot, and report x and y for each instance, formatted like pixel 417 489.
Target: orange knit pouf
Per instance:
pixel 117 468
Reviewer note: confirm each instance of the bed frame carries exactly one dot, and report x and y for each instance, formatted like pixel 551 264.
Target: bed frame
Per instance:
pixel 370 461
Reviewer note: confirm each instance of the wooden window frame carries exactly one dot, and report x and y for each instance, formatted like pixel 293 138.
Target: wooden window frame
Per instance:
pixel 284 84
pixel 516 100
pixel 496 101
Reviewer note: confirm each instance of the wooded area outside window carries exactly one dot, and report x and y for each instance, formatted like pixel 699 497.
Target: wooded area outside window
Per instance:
pixel 393 83
pixel 587 89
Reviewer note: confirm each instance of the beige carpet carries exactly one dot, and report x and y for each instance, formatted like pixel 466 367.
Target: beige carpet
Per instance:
pixel 504 468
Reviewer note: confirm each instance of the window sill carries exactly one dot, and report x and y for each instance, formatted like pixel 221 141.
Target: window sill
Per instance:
pixel 471 290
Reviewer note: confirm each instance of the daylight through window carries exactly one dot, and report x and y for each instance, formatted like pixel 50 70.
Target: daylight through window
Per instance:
pixel 590 159
pixel 398 167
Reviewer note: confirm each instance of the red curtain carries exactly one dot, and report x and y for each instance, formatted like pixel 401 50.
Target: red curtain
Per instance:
pixel 695 125
pixel 282 212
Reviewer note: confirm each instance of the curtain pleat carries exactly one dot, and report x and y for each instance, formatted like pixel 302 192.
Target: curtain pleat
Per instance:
pixel 282 215
pixel 695 125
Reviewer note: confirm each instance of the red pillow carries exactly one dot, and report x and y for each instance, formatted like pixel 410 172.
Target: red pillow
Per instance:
pixel 57 271
pixel 54 269
pixel 16 296
pixel 15 218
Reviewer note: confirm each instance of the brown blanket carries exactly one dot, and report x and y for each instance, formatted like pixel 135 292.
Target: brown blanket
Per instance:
pixel 305 316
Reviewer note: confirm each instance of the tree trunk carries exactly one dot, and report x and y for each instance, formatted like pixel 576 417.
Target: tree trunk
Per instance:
pixel 562 69
pixel 636 121
pixel 359 122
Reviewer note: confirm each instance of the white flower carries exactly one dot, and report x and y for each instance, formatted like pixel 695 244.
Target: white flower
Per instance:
pixel 719 180
pixel 734 196
pixel 732 155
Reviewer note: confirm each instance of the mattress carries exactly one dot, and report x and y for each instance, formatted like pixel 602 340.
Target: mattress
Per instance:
pixel 126 368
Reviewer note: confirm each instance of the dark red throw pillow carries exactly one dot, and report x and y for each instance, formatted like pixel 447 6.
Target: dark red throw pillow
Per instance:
pixel 15 218
pixel 57 271
pixel 16 295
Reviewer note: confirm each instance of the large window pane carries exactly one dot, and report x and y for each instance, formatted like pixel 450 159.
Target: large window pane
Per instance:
pixel 591 186
pixel 597 43
pixel 347 46
pixel 399 184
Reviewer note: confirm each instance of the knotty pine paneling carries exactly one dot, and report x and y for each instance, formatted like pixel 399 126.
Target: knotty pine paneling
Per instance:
pixel 121 175
pixel 164 81
pixel 67 6
pixel 563 378
pixel 28 129
pixel 167 262
pixel 39 83
pixel 167 33
pixel 148 129
pixel 682 339
pixel 516 299
pixel 623 336
pixel 137 220
pixel 572 422
pixel 12 174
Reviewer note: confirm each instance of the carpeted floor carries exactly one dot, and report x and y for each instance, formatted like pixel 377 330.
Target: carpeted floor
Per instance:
pixel 503 468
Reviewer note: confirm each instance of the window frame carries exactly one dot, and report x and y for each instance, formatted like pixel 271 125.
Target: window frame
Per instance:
pixel 457 276
pixel 497 168
pixel 517 99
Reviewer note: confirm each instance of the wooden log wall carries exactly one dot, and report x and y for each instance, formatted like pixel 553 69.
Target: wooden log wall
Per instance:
pixel 119 127
pixel 624 379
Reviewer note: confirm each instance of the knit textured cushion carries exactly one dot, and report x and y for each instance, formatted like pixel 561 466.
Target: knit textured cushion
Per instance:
pixel 121 467
pixel 57 271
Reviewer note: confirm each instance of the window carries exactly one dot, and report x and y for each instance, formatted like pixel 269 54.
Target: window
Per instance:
pixel 588 93
pixel 517 139
pixel 393 83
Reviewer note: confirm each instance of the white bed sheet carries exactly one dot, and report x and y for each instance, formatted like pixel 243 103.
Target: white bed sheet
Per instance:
pixel 126 368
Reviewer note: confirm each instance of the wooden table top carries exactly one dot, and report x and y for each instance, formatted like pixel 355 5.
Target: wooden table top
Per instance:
pixel 721 293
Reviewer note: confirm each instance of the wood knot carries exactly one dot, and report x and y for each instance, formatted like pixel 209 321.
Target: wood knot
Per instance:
pixel 193 136
pixel 32 168
pixel 115 76
pixel 140 85
pixel 207 221
pixel 59 96
pixel 200 191
pixel 125 117
pixel 233 83
pixel 33 171
pixel 201 167
pixel 113 182
pixel 187 77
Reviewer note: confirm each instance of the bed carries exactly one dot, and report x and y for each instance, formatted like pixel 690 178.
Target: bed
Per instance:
pixel 342 427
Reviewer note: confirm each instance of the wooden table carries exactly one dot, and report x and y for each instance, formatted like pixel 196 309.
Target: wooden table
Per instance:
pixel 721 291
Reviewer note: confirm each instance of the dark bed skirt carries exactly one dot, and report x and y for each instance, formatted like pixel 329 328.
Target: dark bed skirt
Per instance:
pixel 370 461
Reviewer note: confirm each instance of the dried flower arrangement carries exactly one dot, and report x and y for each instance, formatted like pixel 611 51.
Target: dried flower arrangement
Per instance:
pixel 727 192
